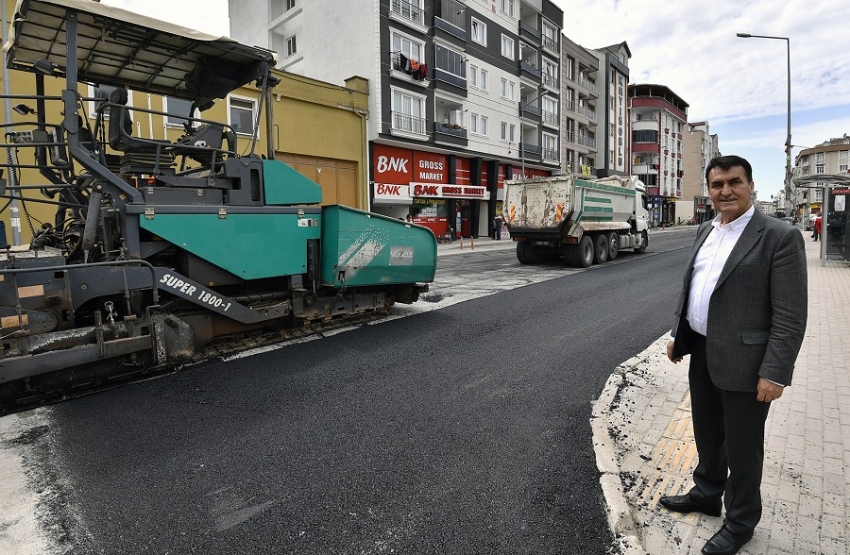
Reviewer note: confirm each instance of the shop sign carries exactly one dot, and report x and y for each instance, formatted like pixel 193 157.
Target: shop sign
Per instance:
pixel 840 192
pixel 392 165
pixel 390 193
pixel 449 191
pixel 530 173
pixel 430 168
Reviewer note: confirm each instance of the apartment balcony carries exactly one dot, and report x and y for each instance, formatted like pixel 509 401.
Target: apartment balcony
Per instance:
pixel 570 136
pixel 587 112
pixel 529 33
pixel 530 112
pixel 409 14
pixel 528 70
pixel 587 141
pixel 570 105
pixel 588 85
pixel 551 81
pixel 551 45
pixel 550 119
pixel 580 169
pixel 449 133
pixel 530 151
pixel 449 82
pixel 406 124
pixel 450 19
pixel 550 155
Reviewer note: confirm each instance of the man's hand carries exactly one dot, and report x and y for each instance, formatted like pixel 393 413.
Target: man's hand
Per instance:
pixel 768 391
pixel 670 352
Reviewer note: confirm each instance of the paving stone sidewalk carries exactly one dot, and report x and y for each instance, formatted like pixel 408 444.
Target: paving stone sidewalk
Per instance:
pixel 644 442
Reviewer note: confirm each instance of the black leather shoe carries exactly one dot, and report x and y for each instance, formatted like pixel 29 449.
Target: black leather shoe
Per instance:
pixel 726 542
pixel 686 504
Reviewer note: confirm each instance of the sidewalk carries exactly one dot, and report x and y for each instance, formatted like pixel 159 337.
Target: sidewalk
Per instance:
pixel 469 245
pixel 644 442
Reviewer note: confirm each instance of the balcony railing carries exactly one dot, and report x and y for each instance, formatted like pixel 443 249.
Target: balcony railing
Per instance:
pixel 408 123
pixel 527 31
pixel 587 112
pixel 589 85
pixel 550 44
pixel 583 170
pixel 551 81
pixel 407 11
pixel 550 154
pixel 571 105
pixel 529 110
pixel 530 150
pixel 529 68
pixel 451 78
pixel 450 129
pixel 550 118
pixel 570 136
pixel 587 141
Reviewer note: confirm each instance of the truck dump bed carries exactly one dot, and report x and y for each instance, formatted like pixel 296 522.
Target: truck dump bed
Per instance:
pixel 547 204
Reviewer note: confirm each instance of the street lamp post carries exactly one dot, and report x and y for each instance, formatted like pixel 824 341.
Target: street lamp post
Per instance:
pixel 790 194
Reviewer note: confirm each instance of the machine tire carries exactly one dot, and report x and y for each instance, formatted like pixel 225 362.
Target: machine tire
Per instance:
pixel 613 245
pixel 600 251
pixel 581 255
pixel 644 241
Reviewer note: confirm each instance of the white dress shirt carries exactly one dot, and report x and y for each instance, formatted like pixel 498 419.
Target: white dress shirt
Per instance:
pixel 709 264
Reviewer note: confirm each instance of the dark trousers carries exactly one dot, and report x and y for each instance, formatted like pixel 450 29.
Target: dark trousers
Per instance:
pixel 729 435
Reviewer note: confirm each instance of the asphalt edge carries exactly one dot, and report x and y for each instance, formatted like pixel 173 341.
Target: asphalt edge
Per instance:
pixel 621 520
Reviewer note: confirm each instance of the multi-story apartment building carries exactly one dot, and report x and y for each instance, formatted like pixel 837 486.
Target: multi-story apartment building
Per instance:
pixel 579 94
pixel 658 117
pixel 700 146
pixel 829 157
pixel 463 94
pixel 613 156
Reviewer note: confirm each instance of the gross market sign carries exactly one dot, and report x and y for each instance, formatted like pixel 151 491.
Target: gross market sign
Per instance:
pixel 428 190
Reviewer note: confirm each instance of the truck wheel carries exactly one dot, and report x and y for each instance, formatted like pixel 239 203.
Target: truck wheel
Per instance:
pixel 581 255
pixel 521 252
pixel 613 245
pixel 643 241
pixel 600 253
pixel 526 253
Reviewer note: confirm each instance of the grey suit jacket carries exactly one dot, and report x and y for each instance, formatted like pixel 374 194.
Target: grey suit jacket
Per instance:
pixel 757 312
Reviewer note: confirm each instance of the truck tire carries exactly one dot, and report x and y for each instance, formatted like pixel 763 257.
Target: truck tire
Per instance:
pixel 613 245
pixel 581 255
pixel 643 241
pixel 600 252
pixel 526 253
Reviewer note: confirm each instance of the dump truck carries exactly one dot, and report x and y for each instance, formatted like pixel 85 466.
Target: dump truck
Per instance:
pixel 576 219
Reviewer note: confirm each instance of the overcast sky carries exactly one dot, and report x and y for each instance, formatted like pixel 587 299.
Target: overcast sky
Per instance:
pixel 738 85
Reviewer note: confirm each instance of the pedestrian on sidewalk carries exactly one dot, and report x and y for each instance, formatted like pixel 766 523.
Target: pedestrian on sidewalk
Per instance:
pixel 818 227
pixel 497 228
pixel 741 316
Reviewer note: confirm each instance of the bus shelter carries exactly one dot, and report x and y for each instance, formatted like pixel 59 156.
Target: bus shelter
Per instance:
pixel 835 225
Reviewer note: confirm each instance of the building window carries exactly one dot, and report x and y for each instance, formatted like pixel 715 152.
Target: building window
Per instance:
pixel 843 154
pixel 406 46
pixel 842 167
pixel 508 7
pixel 819 168
pixel 473 124
pixel 473 76
pixel 483 130
pixel 820 158
pixel 483 81
pixel 550 37
pixel 178 110
pixel 550 147
pixel 242 111
pixel 290 4
pixel 449 61
pixel 478 32
pixel 101 93
pixel 408 113
pixel 511 88
pixel 507 47
pixel 508 131
pixel 291 47
pixel 503 88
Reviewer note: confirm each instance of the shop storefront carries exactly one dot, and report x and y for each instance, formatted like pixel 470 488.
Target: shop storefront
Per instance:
pixel 433 190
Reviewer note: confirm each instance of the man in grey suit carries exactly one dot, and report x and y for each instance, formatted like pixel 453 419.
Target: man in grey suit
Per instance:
pixel 741 316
